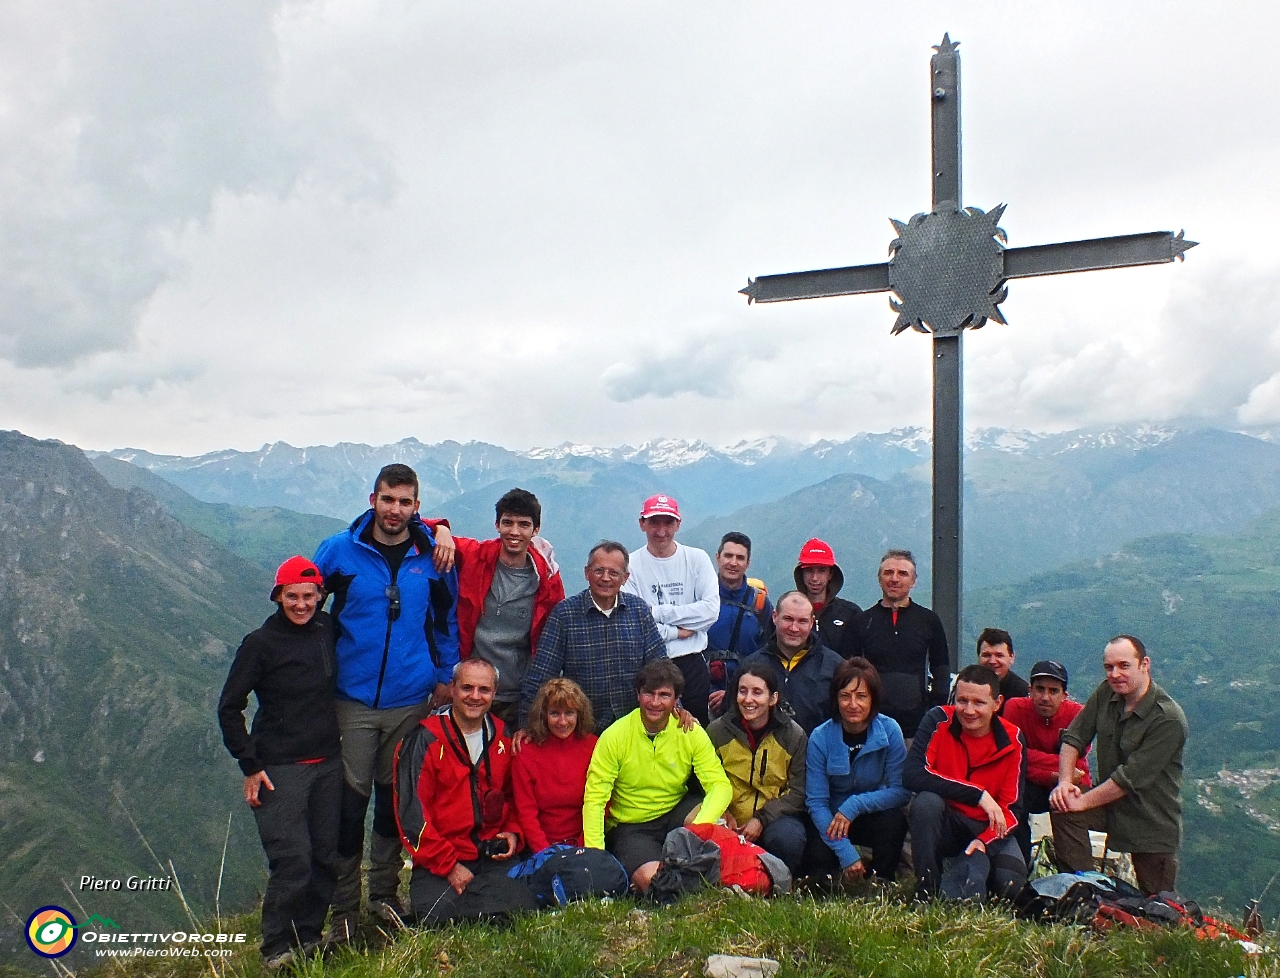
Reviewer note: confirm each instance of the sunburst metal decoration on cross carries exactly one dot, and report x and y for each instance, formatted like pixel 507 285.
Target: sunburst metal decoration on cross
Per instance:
pixel 947 272
pixel 947 269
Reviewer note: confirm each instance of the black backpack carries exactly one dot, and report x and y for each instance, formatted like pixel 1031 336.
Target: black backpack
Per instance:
pixel 575 874
pixel 723 663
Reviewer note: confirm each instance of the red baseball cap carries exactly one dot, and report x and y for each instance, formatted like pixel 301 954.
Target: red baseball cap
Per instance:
pixel 660 506
pixel 296 570
pixel 816 553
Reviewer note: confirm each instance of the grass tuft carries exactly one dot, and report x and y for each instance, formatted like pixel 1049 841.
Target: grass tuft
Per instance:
pixel 881 935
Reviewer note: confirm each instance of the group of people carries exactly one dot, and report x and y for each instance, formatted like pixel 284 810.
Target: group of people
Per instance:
pixel 489 718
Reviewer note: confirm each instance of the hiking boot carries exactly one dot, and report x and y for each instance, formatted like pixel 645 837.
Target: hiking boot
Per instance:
pixel 342 929
pixel 389 910
pixel 274 962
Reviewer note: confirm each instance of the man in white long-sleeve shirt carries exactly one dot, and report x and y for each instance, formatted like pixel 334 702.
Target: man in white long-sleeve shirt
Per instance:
pixel 682 590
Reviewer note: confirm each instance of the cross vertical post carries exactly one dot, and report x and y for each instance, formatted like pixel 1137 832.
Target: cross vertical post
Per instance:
pixel 948 272
pixel 948 366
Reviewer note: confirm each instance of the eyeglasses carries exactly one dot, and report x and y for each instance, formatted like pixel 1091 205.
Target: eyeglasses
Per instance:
pixel 607 572
pixel 393 602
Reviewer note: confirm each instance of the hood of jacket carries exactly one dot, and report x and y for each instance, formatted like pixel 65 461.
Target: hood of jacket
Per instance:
pixel 833 588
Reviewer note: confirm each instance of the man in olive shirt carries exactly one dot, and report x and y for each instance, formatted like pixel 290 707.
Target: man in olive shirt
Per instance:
pixel 1140 732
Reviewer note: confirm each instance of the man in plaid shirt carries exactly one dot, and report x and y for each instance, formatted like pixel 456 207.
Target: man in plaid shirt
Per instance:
pixel 599 638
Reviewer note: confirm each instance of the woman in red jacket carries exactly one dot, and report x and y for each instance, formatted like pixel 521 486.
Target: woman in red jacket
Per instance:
pixel 550 771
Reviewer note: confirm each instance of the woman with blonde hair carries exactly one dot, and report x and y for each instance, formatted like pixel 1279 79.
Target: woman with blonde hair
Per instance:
pixel 550 771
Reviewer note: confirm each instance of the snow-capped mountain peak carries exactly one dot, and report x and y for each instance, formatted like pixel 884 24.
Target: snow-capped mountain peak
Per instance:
pixel 569 449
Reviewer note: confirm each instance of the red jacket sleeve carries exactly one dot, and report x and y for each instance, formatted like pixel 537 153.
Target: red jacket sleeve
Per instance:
pixel 555 589
pixel 1008 789
pixel 430 851
pixel 511 821
pixel 526 801
pixel 1042 768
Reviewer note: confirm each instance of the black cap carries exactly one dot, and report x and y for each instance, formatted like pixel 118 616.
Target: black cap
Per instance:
pixel 1050 670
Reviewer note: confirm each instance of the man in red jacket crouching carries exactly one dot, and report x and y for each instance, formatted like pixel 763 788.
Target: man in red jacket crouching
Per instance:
pixel 966 765
pixel 454 806
pixel 1042 717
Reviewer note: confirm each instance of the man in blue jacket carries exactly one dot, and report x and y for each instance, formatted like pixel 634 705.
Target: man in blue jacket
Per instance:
pixel 394 608
pixel 746 617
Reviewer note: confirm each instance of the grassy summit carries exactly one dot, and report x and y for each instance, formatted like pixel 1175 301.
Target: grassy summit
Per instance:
pixel 877 936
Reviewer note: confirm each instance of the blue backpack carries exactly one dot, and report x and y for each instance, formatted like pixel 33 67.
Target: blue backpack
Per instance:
pixel 560 874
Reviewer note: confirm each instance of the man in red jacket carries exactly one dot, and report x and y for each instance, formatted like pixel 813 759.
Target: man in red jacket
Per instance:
pixel 1042 717
pixel 506 589
pixel 454 806
pixel 966 765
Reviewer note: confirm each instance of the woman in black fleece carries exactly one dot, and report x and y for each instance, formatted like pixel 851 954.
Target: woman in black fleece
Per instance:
pixel 292 760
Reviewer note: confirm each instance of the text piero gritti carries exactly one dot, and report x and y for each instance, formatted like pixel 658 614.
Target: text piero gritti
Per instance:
pixel 136 883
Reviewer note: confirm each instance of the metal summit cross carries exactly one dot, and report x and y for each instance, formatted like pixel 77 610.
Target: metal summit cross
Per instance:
pixel 948 271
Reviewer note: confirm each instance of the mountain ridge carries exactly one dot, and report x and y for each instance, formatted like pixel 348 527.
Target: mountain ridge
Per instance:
pixel 117 627
pixel 335 480
pixel 117 623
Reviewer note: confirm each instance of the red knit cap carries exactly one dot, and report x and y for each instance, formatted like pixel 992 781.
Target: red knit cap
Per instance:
pixel 816 553
pixel 296 570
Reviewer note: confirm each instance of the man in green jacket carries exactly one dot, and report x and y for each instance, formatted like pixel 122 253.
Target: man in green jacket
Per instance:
pixel 640 770
pixel 1140 732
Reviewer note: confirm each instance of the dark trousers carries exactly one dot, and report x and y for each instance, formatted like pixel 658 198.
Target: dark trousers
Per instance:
pixel 883 831
pixel 1156 871
pixel 697 685
pixel 637 843
pixel 1037 801
pixel 785 837
pixel 298 826
pixel 369 740
pixel 490 894
pixel 938 832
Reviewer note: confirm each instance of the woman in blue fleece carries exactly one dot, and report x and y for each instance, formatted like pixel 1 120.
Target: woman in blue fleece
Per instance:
pixel 854 789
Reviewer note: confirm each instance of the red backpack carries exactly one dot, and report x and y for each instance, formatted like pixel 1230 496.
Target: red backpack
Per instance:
pixel 739 859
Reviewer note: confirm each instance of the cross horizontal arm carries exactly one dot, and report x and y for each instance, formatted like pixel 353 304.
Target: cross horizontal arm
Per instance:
pixel 817 285
pixel 1153 248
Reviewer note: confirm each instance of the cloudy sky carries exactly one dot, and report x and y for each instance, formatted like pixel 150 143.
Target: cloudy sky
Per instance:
pixel 226 224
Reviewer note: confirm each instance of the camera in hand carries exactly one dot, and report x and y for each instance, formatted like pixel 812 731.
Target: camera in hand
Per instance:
pixel 491 848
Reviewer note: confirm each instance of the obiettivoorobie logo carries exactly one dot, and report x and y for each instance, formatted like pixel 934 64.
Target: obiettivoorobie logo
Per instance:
pixel 51 932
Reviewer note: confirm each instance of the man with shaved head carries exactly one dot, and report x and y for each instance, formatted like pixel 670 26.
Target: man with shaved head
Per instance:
pixel 804 665
pixel 455 809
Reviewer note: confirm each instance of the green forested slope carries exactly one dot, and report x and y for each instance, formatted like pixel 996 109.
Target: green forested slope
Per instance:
pixel 118 620
pixel 265 536
pixel 1208 609
pixel 117 626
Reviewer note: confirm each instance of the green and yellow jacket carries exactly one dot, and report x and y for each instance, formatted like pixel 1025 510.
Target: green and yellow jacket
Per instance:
pixel 769 780
pixel 639 779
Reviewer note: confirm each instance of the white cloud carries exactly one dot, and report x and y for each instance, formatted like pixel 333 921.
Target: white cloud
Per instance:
pixel 708 363
pixel 124 122
pixel 229 224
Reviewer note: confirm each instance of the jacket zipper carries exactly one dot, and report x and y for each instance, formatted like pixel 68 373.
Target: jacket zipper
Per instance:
pixel 764 766
pixel 386 645
pixel 751 780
